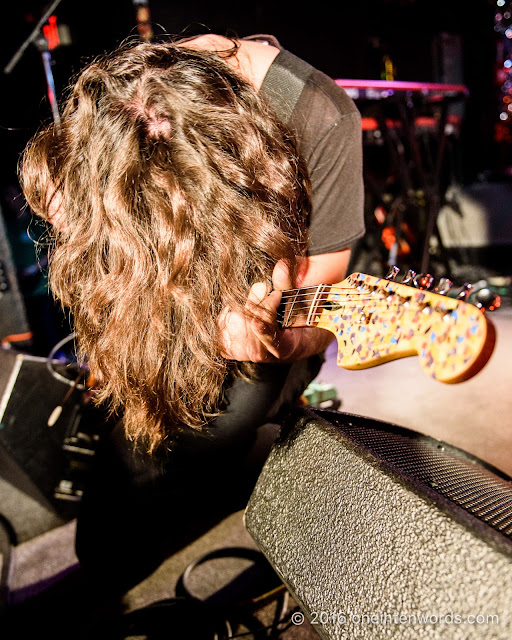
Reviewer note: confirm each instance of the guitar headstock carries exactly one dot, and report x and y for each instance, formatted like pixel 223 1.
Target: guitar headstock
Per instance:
pixel 377 319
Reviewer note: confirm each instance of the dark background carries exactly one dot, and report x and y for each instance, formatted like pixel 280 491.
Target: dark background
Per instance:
pixel 346 39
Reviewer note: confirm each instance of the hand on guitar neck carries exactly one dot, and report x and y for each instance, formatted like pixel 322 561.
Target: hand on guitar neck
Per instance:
pixel 376 320
pixel 258 336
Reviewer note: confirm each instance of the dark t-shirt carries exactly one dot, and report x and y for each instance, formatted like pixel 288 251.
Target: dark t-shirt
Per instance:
pixel 328 128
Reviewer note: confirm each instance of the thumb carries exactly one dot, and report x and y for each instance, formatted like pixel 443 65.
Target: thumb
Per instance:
pixel 281 279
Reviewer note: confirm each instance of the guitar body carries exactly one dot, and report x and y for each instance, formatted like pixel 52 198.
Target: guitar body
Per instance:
pixel 376 320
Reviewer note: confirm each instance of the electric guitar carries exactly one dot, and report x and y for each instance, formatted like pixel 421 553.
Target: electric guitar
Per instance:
pixel 376 320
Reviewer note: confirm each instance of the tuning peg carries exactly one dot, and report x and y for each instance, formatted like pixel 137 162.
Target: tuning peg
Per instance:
pixel 392 273
pixel 409 277
pixel 465 291
pixel 444 285
pixel 423 281
pixel 487 299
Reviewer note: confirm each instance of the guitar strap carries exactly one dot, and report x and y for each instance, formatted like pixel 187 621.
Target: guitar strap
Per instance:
pixel 285 79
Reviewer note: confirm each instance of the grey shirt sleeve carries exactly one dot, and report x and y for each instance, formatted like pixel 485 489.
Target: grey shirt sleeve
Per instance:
pixel 328 125
pixel 336 174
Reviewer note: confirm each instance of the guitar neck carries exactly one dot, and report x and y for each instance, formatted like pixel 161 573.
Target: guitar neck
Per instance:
pixel 376 320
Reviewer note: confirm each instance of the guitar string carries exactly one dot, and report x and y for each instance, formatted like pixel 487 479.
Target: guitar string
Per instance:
pixel 306 304
pixel 306 301
pixel 302 298
pixel 344 288
pixel 351 296
pixel 296 293
pixel 349 309
pixel 286 296
pixel 348 297
pixel 281 317
pixel 378 306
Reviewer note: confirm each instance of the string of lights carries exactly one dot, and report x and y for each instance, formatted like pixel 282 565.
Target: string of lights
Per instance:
pixel 503 27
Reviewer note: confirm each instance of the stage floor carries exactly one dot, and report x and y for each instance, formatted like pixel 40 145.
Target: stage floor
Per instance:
pixel 475 415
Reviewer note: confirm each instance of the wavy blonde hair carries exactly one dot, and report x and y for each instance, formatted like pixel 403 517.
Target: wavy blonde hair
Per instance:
pixel 179 189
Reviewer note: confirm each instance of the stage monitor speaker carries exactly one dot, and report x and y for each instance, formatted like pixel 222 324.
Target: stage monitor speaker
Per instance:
pixel 31 453
pixel 13 318
pixel 477 215
pixel 381 532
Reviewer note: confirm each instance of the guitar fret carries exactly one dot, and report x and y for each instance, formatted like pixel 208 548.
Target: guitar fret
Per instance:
pixel 289 309
pixel 299 309
pixel 312 309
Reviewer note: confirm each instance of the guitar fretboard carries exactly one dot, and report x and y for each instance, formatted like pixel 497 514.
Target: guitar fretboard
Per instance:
pixel 299 307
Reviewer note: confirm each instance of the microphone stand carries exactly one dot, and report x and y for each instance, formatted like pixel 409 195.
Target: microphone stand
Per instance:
pixel 38 39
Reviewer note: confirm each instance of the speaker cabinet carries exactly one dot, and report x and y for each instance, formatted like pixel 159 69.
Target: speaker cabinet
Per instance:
pixel 381 532
pixel 31 453
pixel 13 318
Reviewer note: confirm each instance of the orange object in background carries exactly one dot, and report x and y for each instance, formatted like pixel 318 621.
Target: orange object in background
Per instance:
pixel 51 33
pixel 388 237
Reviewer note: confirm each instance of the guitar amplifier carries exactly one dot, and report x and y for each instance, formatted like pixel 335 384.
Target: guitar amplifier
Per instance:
pixel 381 532
pixel 13 318
pixel 31 453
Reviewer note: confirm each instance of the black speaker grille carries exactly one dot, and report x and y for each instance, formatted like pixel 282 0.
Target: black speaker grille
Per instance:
pixel 467 481
pixel 13 318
